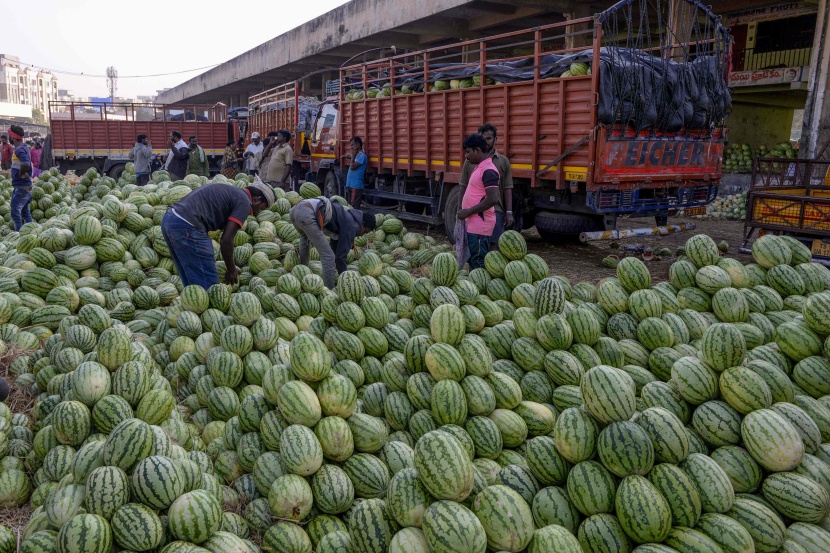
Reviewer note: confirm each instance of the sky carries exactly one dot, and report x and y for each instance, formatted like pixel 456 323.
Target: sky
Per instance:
pixel 141 38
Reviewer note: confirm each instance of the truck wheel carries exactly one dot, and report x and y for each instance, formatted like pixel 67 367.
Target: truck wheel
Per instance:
pixel 115 172
pixel 558 226
pixel 450 210
pixel 330 185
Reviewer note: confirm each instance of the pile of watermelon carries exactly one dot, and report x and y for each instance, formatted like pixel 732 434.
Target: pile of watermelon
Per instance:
pixel 503 409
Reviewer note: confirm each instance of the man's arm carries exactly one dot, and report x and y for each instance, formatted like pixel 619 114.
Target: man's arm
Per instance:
pixel 507 186
pixel 25 164
pixel 289 165
pixel 181 153
pixel 226 248
pixel 463 181
pixel 206 166
pixel 491 199
pixel 341 250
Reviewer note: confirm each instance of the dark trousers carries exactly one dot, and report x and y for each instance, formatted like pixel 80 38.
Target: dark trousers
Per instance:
pixel 479 247
pixel 498 230
pixel 142 178
pixel 355 197
pixel 21 198
pixel 192 251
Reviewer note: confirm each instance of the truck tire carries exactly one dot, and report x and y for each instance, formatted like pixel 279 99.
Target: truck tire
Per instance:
pixel 115 172
pixel 450 210
pixel 330 185
pixel 567 226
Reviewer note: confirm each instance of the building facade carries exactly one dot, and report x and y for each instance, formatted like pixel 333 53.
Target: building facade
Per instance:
pixel 24 84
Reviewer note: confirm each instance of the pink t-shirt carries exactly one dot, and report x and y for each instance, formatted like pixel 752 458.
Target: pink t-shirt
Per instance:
pixel 484 176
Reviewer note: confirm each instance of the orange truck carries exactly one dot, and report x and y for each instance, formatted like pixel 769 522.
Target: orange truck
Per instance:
pixel 101 135
pixel 597 121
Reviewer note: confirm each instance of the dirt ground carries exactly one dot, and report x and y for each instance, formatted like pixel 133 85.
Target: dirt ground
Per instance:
pixel 579 261
pixel 583 261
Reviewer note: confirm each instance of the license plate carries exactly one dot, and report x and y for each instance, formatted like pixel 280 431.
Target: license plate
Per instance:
pixel 689 212
pixel 821 248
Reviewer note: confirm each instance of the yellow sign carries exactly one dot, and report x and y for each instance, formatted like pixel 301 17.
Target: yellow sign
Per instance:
pixel 821 248
pixel 576 173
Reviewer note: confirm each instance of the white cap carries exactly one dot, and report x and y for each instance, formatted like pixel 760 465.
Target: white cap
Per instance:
pixel 254 135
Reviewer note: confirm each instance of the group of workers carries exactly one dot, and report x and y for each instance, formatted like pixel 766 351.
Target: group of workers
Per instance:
pixel 183 158
pixel 484 211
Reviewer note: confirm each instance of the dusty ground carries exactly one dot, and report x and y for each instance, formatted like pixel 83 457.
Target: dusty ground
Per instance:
pixel 578 261
pixel 583 261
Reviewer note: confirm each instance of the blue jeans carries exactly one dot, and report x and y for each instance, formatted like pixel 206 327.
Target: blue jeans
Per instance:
pixel 21 198
pixel 479 247
pixel 498 230
pixel 192 252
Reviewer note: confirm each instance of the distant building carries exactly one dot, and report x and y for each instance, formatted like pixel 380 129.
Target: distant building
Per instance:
pixel 23 84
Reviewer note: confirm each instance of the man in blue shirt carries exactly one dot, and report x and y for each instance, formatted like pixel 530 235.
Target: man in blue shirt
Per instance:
pixel 357 169
pixel 21 179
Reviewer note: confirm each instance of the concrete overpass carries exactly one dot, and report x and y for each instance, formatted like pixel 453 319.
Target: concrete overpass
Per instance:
pixel 361 25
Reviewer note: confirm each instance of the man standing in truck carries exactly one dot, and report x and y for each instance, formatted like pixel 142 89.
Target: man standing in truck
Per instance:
pixel 480 196
pixel 504 207
pixel 357 171
pixel 21 179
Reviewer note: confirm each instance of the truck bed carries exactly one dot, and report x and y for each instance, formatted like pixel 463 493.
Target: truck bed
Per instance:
pixel 102 134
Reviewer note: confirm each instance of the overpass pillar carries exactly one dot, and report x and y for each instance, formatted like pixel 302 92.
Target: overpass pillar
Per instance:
pixel 584 39
pixel 815 132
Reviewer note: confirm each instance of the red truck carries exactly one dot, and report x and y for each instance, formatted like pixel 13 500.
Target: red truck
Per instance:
pixel 626 123
pixel 100 135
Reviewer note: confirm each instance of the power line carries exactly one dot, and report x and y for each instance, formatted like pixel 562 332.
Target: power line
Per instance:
pixel 76 74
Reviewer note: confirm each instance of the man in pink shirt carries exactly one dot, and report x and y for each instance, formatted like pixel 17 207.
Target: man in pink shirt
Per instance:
pixel 481 195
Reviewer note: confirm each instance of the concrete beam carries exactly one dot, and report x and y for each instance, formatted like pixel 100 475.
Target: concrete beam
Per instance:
pixel 352 21
pixel 815 132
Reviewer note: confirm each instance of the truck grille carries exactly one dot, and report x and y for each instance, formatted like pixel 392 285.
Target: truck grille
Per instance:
pixel 650 199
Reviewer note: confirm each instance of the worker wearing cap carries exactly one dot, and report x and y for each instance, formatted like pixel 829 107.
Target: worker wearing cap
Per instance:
pixel 211 207
pixel 255 147
pixel 317 219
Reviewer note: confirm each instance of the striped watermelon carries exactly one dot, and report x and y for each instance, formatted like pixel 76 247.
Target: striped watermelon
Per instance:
pixel 506 518
pixel 137 527
pixel 107 489
pixel 607 394
pixel 443 467
pixel 642 511
pixel 769 251
pixel 716 492
pixel 771 440
pixel 194 516
pixel 763 524
pixel 450 527
pixel 702 250
pixel 370 526
pixel 85 533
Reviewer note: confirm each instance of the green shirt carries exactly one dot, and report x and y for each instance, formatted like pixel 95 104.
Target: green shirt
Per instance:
pixel 195 165
pixel 505 176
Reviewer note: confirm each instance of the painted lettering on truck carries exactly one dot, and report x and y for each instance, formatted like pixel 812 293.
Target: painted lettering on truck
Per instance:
pixel 660 152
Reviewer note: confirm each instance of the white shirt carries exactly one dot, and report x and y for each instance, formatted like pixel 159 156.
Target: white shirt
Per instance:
pixel 250 162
